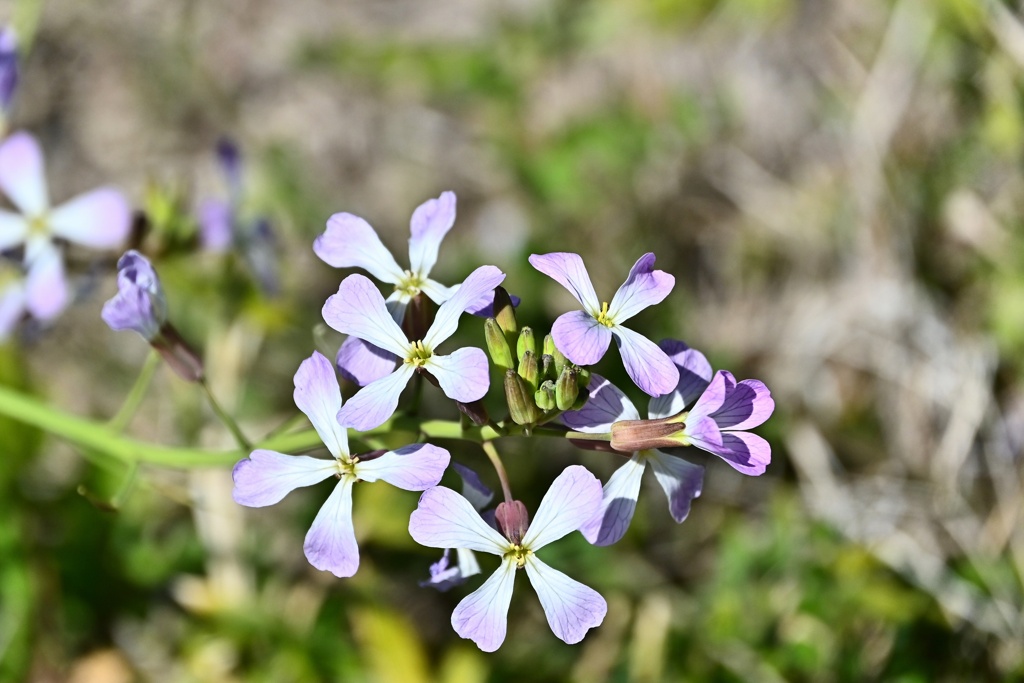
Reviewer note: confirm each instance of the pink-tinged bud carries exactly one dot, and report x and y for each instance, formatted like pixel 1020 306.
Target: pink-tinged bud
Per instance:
pixel 513 520
pixel 629 436
pixel 475 411
pixel 417 317
pixel 178 354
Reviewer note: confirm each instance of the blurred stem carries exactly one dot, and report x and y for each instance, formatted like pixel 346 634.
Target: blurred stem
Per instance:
pixel 228 421
pixel 499 467
pixel 137 393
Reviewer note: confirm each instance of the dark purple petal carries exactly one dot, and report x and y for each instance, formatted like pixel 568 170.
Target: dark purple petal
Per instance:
pixel 416 467
pixel 747 405
pixel 746 452
pixel 605 406
pixel 8 68
pixel 473 489
pixel 712 398
pixel 694 377
pixel 463 375
pixel 265 477
pixel 361 362
pixel 481 281
pixel 618 502
pixel 430 222
pixel 331 541
pixel 643 287
pixel 646 364
pixel 567 269
pixel 682 481
pixel 484 306
pixel 580 337
pixel 230 159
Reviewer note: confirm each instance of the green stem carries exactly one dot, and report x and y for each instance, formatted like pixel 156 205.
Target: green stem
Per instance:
pixel 137 393
pixel 228 421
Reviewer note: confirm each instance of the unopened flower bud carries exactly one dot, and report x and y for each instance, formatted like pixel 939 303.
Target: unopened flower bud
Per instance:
pixel 139 304
pixel 629 436
pixel 529 370
pixel 526 343
pixel 582 377
pixel 505 313
pixel 567 388
pixel 552 350
pixel 497 345
pixel 475 411
pixel 547 367
pixel 513 520
pixel 521 405
pixel 178 355
pixel 545 396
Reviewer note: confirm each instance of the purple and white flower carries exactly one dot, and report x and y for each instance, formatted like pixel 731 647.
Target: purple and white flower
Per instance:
pixel 714 423
pixel 444 519
pixel 584 336
pixel 359 310
pixel 443 574
pixel 99 219
pixel 139 304
pixel 265 477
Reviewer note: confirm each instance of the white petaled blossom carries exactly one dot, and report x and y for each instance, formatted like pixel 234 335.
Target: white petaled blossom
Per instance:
pixel 444 519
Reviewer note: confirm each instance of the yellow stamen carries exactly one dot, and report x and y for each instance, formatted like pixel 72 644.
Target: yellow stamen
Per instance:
pixel 603 316
pixel 410 284
pixel 520 554
pixel 419 354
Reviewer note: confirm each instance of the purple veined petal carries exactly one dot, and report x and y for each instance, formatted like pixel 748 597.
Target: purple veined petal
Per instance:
pixel 482 280
pixel 362 362
pixel 646 364
pixel 13 229
pixel 567 269
pixel 747 453
pixel 318 395
pixel 22 176
pixel 618 502
pixel 572 608
pixel 437 292
pixel 463 375
pixel 444 519
pixel 350 242
pixel 266 477
pixel 643 287
pixel 131 309
pixel 482 615
pixel 747 405
pixel 12 304
pixel 216 225
pixel 473 489
pixel 605 406
pixel 572 501
pixel 331 540
pixel 430 222
pixel 484 306
pixel 359 310
pixel 376 402
pixel 99 219
pixel 416 467
pixel 712 398
pixel 682 481
pixel 703 432
pixel 694 377
pixel 46 289
pixel 580 337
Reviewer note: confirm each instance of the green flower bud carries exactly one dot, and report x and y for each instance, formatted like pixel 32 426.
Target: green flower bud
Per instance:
pixel 505 313
pixel 547 367
pixel 545 396
pixel 550 348
pixel 567 388
pixel 521 405
pixel 529 370
pixel 497 346
pixel 526 343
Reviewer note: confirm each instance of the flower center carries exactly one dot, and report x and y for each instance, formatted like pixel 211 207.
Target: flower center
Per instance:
pixel 519 554
pixel 410 284
pixel 419 354
pixel 39 226
pixel 346 465
pixel 603 316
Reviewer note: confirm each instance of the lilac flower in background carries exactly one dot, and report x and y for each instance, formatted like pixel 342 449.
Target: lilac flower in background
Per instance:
pixel 443 574
pixel 744 406
pixel 584 336
pixel 266 477
pixel 99 219
pixel 359 310
pixel 444 519
pixel 139 304
pixel 9 73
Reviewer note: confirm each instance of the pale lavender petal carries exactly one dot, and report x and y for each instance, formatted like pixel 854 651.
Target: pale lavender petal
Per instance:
pixel 580 337
pixel 681 480
pixel 350 242
pixel 643 287
pixel 362 362
pixel 376 402
pixel 646 364
pixel 572 608
pixel 694 377
pixel 482 615
pixel 331 541
pixel 216 225
pixel 318 395
pixel 713 397
pixel 46 289
pixel 416 467
pixel 463 375
pixel 567 269
pixel 572 501
pixel 746 452
pixel 430 222
pixel 605 406
pixel 99 219
pixel 703 432
pixel 618 502
pixel 265 477
pixel 437 292
pixel 13 229
pixel 12 304
pixel 482 280
pixel 131 309
pixel 746 405
pixel 484 306
pixel 473 489
pixel 468 565
pixel 359 310
pixel 22 177
pixel 444 519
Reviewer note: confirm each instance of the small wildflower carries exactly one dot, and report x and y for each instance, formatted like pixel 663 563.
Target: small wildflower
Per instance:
pixel 444 519
pixel 139 304
pixel 443 574
pixel 584 336
pixel 265 477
